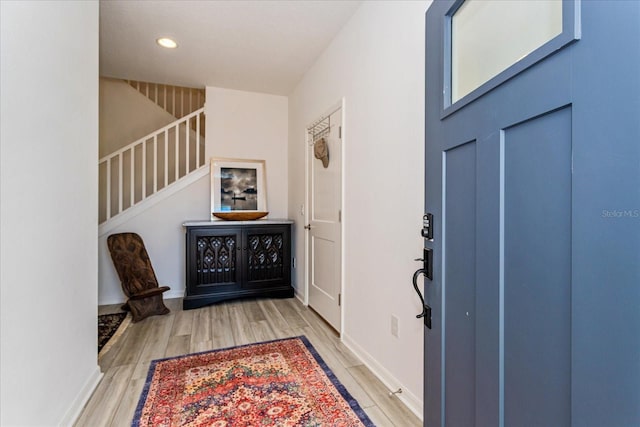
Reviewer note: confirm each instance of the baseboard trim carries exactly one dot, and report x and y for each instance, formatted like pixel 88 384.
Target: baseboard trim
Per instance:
pixel 170 294
pixel 411 401
pixel 73 413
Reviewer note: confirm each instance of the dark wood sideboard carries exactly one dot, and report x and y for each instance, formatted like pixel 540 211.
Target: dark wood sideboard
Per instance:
pixel 237 259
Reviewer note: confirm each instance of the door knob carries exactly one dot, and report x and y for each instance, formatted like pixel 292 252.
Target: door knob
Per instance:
pixel 307 227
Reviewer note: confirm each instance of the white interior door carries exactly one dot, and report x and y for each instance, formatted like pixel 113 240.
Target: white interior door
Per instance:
pixel 324 232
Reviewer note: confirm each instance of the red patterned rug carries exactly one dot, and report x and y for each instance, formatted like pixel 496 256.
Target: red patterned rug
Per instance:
pixel 277 383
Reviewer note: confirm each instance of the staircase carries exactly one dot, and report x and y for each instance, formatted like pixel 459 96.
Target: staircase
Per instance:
pixel 161 162
pixel 176 100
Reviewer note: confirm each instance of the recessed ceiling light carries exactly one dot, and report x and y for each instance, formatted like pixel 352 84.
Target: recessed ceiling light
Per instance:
pixel 167 42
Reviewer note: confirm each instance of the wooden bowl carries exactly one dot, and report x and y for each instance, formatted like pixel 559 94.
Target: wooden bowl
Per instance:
pixel 239 215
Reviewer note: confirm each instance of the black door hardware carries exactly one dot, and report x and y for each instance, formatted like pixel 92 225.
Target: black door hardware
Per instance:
pixel 427 261
pixel 426 310
pixel 427 226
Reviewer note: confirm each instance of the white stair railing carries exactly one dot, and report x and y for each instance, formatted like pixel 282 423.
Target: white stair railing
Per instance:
pixel 150 164
pixel 176 100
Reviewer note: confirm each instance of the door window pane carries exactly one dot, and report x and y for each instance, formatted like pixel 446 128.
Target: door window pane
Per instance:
pixel 488 36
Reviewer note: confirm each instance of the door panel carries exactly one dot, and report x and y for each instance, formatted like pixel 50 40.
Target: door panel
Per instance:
pixel 537 271
pixel 459 290
pixel 325 203
pixel 323 269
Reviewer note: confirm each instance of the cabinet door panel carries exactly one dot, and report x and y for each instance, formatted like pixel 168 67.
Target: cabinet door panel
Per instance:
pixel 267 257
pixel 217 264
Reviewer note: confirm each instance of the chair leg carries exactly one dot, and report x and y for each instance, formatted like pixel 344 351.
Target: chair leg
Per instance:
pixel 143 308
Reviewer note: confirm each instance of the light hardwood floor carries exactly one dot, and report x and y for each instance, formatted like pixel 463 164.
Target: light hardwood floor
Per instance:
pixel 126 363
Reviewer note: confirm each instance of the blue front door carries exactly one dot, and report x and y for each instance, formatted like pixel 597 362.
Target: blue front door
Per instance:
pixel 533 180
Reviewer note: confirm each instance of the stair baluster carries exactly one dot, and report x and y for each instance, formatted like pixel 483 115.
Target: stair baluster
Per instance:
pixel 180 142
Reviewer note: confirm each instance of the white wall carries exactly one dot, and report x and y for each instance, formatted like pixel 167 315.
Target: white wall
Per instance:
pixel 126 115
pixel 160 227
pixel 376 63
pixel 250 125
pixel 239 125
pixel 49 86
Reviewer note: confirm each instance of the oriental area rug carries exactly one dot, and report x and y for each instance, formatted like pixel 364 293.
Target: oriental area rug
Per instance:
pixel 276 383
pixel 110 326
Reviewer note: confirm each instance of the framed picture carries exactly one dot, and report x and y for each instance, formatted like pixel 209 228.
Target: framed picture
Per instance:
pixel 238 185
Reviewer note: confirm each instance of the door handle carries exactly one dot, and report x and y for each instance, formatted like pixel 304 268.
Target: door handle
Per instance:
pixel 426 310
pixel 307 227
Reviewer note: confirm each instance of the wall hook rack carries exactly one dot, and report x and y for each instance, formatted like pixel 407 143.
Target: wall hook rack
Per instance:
pixel 319 129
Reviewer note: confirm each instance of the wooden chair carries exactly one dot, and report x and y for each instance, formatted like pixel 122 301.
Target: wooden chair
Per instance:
pixel 136 275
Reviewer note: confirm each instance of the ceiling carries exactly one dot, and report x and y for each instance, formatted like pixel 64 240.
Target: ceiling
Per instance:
pixel 259 46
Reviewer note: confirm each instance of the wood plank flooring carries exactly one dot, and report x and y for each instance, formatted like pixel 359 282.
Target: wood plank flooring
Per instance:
pixel 125 365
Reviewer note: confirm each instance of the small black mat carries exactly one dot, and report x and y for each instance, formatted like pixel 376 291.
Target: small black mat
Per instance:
pixel 107 326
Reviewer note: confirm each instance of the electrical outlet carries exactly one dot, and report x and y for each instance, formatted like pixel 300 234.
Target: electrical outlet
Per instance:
pixel 394 326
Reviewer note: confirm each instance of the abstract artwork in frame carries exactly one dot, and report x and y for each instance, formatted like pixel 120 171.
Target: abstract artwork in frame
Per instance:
pixel 238 185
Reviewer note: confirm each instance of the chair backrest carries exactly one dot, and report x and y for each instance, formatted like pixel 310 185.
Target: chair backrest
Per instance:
pixel 132 263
